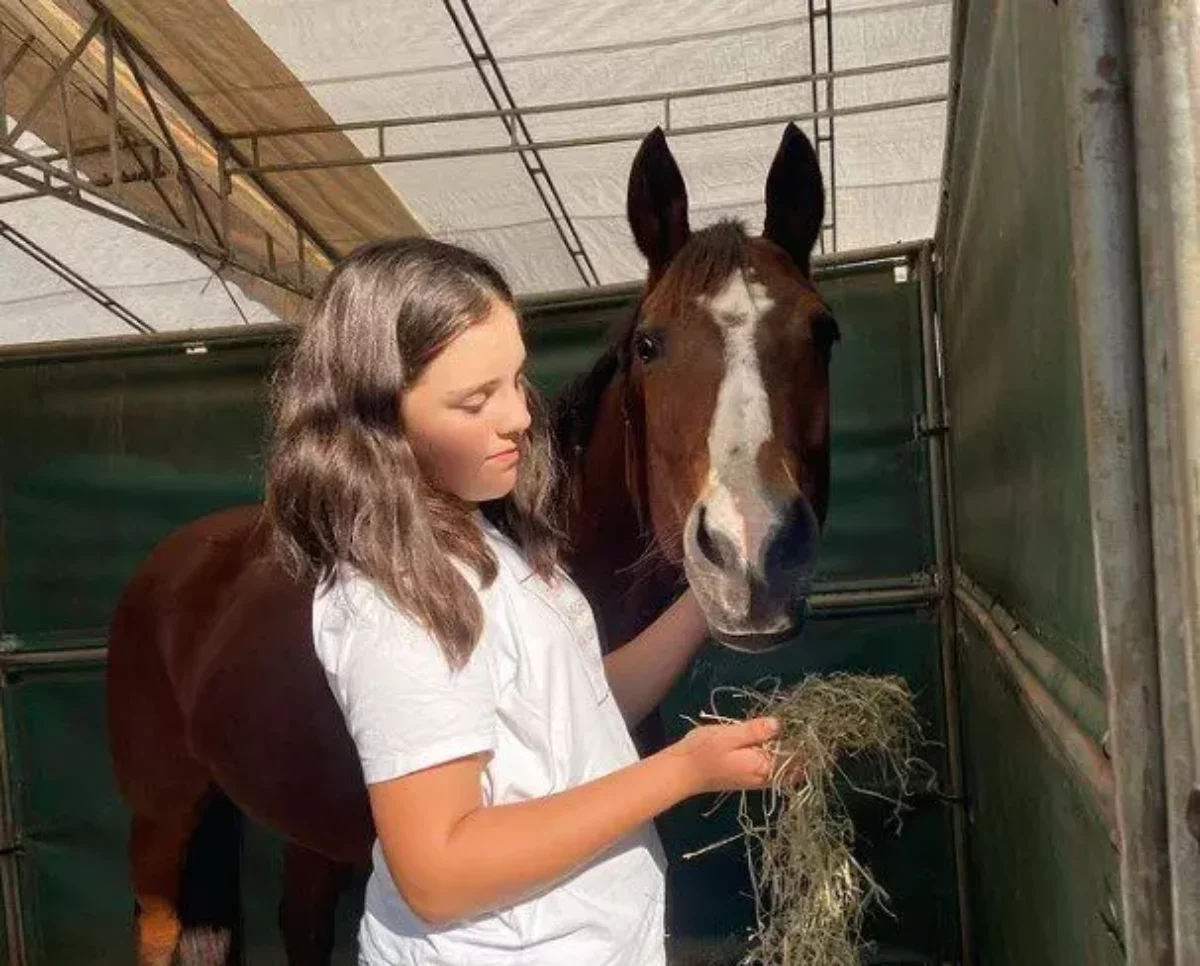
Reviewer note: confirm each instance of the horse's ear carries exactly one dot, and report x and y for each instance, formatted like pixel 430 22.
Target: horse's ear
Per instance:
pixel 657 203
pixel 795 198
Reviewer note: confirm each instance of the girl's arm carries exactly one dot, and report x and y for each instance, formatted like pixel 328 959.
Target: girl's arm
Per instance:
pixel 452 857
pixel 641 672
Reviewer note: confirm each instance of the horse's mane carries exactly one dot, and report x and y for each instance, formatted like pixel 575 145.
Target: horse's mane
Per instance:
pixel 705 262
pixel 574 410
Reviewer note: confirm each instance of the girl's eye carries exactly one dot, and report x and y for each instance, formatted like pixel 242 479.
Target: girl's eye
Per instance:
pixel 473 404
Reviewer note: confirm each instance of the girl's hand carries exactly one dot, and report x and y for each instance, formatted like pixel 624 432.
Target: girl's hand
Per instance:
pixel 728 757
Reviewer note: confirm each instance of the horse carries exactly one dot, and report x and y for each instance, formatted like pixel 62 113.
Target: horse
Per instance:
pixel 696 450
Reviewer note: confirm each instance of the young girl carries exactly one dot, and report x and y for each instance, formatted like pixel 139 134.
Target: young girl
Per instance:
pixel 411 476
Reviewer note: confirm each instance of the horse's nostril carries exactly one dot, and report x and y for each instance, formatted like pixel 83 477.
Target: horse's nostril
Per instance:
pixel 716 547
pixel 792 544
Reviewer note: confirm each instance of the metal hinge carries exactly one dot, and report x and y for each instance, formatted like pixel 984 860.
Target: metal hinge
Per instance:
pixel 923 430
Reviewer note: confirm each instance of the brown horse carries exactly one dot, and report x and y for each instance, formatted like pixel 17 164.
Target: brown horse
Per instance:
pixel 698 445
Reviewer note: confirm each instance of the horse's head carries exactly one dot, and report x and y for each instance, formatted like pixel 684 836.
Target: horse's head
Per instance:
pixel 727 384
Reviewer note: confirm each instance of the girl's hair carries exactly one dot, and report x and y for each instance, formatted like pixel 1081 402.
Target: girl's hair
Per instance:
pixel 343 484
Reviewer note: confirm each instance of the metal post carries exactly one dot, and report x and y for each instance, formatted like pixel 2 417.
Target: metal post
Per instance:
pixel 110 101
pixel 10 872
pixel 1105 272
pixel 935 435
pixel 1164 40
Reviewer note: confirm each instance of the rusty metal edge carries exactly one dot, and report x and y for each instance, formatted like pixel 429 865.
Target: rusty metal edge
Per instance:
pixel 1164 38
pixel 1101 182
pixel 1054 723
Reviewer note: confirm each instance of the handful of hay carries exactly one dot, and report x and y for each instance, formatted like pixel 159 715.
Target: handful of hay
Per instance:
pixel 810 892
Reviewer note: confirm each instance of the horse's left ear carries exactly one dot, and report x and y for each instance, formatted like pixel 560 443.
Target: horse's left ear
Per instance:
pixel 795 198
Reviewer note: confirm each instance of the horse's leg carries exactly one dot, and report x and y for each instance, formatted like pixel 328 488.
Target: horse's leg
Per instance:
pixel 157 851
pixel 312 885
pixel 210 888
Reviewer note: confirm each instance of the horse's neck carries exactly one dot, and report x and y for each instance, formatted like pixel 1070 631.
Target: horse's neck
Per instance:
pixel 627 586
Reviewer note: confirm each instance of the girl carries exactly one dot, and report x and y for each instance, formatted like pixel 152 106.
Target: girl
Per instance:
pixel 412 477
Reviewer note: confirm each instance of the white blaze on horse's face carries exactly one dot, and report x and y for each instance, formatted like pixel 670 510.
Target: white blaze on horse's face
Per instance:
pixel 741 520
pixel 741 420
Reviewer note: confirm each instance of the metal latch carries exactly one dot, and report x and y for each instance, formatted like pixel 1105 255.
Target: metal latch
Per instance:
pixel 1193 814
pixel 924 430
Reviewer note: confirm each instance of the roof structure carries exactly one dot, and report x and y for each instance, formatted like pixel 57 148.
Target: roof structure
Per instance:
pixel 169 164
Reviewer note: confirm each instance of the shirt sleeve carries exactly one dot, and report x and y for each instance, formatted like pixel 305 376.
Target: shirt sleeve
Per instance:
pixel 405 708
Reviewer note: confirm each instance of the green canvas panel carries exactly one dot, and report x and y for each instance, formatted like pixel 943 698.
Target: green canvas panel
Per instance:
pixel 102 454
pixel 1044 883
pixel 1012 351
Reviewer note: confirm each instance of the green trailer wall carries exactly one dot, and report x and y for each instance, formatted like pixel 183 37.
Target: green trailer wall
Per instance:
pixel 1044 882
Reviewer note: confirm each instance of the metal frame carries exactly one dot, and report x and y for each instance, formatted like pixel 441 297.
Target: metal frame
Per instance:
pixel 1164 39
pixel 195 229
pixel 1103 216
pixel 958 39
pixel 206 235
pixel 29 247
pixel 594 140
pixel 934 430
pixel 472 35
pixel 825 13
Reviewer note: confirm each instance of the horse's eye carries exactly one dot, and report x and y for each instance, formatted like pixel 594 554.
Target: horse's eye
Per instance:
pixel 648 346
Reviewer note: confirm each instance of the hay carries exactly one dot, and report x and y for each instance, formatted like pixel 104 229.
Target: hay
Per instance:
pixel 810 892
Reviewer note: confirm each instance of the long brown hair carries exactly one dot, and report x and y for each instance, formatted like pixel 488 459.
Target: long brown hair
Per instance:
pixel 343 484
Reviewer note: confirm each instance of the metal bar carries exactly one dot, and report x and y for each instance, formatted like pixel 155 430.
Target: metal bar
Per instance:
pixel 904 594
pixel 829 106
pixel 3 96
pixel 1164 40
pixel 940 512
pixel 223 192
pixel 958 40
pixel 31 248
pixel 110 98
pixel 854 600
pixel 531 159
pixel 812 61
pixel 70 141
pixel 9 67
pixel 52 657
pixel 215 135
pixel 185 172
pixel 1084 756
pixel 1102 205
pixel 585 105
pixel 60 72
pixel 598 139
pixel 10 872
pixel 191 244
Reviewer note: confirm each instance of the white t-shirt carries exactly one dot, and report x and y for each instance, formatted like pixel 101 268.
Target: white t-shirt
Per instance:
pixel 534 694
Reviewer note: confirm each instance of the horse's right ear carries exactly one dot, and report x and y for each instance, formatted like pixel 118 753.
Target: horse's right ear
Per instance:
pixel 657 203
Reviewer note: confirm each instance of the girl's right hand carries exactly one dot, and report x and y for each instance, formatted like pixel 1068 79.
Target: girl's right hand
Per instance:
pixel 727 757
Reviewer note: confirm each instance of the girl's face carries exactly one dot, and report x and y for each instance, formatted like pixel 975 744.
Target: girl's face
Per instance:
pixel 466 414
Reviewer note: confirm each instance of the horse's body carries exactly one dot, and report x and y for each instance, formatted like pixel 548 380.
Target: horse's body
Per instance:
pixel 218 706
